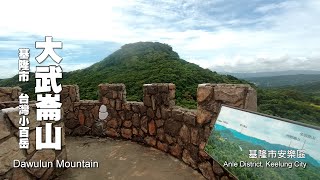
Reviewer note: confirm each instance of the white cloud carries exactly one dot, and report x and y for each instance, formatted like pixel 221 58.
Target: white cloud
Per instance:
pixel 204 33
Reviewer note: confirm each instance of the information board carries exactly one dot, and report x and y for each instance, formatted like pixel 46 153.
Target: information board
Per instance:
pixel 256 146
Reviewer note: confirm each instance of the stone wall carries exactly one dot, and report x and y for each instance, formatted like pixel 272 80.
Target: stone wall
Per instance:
pixel 9 147
pixel 157 122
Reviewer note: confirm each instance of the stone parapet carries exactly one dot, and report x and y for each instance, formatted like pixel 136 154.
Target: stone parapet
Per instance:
pixel 10 151
pixel 156 121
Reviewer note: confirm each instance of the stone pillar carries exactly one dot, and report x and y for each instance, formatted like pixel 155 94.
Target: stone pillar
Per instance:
pixel 9 147
pixel 210 97
pixel 113 96
pixel 158 99
pixel 69 96
pixel 155 95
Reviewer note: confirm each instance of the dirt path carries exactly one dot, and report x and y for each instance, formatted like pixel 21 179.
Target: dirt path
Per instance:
pixel 123 160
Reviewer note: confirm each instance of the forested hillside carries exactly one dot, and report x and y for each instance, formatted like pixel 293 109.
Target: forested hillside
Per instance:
pixel 137 64
pixel 146 62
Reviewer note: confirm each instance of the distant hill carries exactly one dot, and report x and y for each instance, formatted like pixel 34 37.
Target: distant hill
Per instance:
pixel 285 80
pixel 152 62
pixel 270 74
pixel 137 64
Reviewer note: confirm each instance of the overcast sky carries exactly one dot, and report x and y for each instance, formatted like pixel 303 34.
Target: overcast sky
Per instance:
pixel 225 35
pixel 271 130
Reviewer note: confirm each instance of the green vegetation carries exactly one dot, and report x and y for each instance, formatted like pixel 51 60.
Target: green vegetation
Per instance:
pixel 146 62
pixel 291 104
pixel 137 64
pixel 142 63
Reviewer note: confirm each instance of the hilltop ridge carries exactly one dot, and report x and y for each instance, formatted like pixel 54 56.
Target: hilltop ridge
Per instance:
pixel 136 64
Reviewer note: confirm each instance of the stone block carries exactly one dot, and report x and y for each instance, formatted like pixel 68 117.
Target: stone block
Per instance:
pixel 144 124
pixel 13 114
pixel 151 141
pixel 172 127
pixel 185 134
pixel 186 157
pixel 150 113
pixel 175 150
pixel 177 114
pixel 136 120
pixel 4 127
pixel 161 134
pixel 9 151
pixel 127 124
pixel 206 170
pixel 126 133
pixel 230 94
pixel 194 136
pixel 169 139
pixel 203 116
pixel 20 174
pixel 189 118
pixel 112 132
pixel 204 92
pixel 80 131
pixel 45 156
pixel 152 127
pixel 159 123
pixel 251 100
pixel 113 123
pixel 147 100
pixel 162 146
pixel 158 113
pixel 165 113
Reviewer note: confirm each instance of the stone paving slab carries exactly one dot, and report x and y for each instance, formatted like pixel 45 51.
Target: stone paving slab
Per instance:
pixel 123 160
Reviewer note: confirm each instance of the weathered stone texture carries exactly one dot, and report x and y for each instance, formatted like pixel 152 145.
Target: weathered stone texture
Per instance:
pixel 13 114
pixel 151 141
pixel 9 93
pixel 152 127
pixel 43 155
pixel 251 100
pixel 126 133
pixel 162 146
pixel 185 134
pixel 20 174
pixel 4 127
pixel 217 169
pixel 186 157
pixel 172 127
pixel 203 116
pixel 206 170
pixel 204 92
pixel 10 149
pixel 156 121
pixel 175 150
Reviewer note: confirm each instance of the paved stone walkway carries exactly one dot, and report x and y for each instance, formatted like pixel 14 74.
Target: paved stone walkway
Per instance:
pixel 121 160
